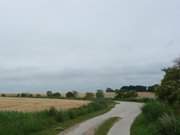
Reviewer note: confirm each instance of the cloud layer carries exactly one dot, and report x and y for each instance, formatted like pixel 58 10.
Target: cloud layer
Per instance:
pixel 86 45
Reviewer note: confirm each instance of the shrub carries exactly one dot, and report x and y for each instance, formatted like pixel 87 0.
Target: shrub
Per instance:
pixel 169 90
pixel 62 116
pixel 57 94
pixel 89 95
pixel 130 94
pixel 26 95
pixel 70 94
pixel 49 93
pixel 125 94
pixel 109 90
pixel 99 94
pixel 73 113
pixel 75 94
pixel 168 125
pixel 38 95
pixel 18 95
pixel 52 111
pixel 3 95
pixel 153 110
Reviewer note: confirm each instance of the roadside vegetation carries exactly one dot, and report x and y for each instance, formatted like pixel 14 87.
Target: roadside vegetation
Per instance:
pixel 162 117
pixel 51 121
pixel 104 128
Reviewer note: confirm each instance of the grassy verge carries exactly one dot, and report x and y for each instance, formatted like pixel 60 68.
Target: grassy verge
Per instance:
pixel 48 122
pixel 104 128
pixel 142 127
pixel 67 124
pixel 156 119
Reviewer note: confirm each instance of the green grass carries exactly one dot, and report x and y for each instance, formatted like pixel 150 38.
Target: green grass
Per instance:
pixel 156 119
pixel 67 124
pixel 141 126
pixel 48 122
pixel 104 128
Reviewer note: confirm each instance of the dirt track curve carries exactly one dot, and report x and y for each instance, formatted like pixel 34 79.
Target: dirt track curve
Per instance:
pixel 126 110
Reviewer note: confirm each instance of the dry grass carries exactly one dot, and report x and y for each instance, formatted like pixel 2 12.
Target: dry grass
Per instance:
pixel 146 94
pixel 37 104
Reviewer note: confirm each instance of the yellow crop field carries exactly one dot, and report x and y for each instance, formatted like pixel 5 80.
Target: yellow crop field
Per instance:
pixel 38 104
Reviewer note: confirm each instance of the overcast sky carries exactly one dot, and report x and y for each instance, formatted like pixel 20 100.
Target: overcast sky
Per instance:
pixel 86 44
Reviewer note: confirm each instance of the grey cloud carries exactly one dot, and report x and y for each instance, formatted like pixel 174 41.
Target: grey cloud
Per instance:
pixel 76 44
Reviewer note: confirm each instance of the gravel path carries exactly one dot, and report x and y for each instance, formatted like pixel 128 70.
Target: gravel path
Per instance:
pixel 126 110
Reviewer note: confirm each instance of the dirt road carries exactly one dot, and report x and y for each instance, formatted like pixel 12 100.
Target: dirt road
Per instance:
pixel 126 110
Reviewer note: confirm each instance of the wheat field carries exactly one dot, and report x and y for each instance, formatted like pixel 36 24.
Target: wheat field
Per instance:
pixel 38 104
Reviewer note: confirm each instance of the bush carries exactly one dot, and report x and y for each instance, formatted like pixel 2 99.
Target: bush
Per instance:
pixel 26 95
pixel 49 93
pixel 38 95
pixel 125 94
pixel 99 94
pixel 57 95
pixel 70 94
pixel 62 116
pixel 153 110
pixel 75 93
pixel 89 96
pixel 18 95
pixel 52 111
pixel 3 95
pixel 168 125
pixel 169 90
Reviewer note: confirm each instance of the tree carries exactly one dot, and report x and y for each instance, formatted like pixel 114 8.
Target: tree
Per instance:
pixel 134 88
pixel 125 94
pixel 99 94
pixel 109 90
pixel 3 95
pixel 177 62
pixel 169 90
pixel 56 94
pixel 153 88
pixel 89 95
pixel 69 94
pixel 26 95
pixel 75 93
pixel 49 93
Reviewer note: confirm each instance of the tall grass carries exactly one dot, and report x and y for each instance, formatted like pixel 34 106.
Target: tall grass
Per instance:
pixel 156 119
pixel 16 123
pixel 19 123
pixel 153 110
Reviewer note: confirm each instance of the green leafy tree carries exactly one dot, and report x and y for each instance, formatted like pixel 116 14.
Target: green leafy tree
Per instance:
pixel 99 94
pixel 89 95
pixel 169 90
pixel 49 93
pixel 69 94
pixel 75 93
pixel 56 94
pixel 153 88
pixel 109 90
pixel 125 94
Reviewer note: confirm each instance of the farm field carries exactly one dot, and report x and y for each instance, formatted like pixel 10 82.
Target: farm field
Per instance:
pixel 38 104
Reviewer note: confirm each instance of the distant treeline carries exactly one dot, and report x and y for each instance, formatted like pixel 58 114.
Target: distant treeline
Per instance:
pixel 137 88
